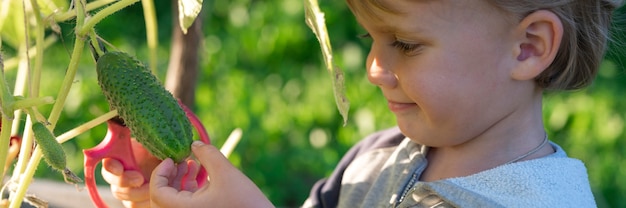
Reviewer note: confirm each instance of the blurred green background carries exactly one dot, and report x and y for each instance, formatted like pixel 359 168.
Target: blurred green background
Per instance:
pixel 262 72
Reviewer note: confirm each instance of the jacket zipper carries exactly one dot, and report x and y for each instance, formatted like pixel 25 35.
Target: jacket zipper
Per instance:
pixel 414 178
pixel 407 188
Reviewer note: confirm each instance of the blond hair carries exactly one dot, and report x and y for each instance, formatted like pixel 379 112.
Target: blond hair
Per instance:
pixel 586 26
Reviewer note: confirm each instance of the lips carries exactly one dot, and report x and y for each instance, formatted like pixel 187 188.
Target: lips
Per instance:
pixel 399 106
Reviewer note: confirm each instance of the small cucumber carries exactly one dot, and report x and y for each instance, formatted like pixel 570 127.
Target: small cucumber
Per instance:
pixel 153 115
pixel 53 152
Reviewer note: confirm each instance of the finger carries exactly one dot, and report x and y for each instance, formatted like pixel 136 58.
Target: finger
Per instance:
pixel 114 174
pixel 161 194
pixel 134 204
pixel 181 171
pixel 113 166
pixel 189 182
pixel 211 158
pixel 163 173
pixel 138 194
pixel 224 177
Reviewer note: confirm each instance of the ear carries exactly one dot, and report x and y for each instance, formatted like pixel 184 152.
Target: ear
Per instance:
pixel 539 37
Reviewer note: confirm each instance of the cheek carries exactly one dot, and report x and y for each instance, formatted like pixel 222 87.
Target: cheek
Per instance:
pixel 451 89
pixel 434 91
pixel 435 77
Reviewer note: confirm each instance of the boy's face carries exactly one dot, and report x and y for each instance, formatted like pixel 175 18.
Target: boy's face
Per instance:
pixel 444 67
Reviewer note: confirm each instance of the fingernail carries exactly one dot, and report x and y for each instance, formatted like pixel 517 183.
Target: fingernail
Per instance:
pixel 197 143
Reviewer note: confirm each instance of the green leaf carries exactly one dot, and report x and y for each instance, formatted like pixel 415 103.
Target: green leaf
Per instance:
pixel 188 10
pixel 314 18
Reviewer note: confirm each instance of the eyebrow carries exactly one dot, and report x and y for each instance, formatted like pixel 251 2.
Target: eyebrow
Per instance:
pixel 384 27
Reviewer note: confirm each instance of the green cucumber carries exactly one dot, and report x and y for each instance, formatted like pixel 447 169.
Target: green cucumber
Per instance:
pixel 153 115
pixel 53 152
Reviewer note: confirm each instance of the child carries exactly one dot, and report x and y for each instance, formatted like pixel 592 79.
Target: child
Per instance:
pixel 465 81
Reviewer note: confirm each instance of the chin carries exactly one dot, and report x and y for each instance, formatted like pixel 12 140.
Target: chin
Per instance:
pixel 412 132
pixel 423 136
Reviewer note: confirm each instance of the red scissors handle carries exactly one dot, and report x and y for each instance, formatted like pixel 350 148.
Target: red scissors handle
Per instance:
pixel 117 145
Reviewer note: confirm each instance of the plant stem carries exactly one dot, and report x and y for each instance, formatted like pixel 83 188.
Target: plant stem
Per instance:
pixel 93 20
pixel 39 40
pixel 6 102
pixel 149 15
pixel 90 6
pixel 26 82
pixel 86 126
pixel 32 102
pixel 79 45
pixel 67 81
pixel 5 138
pixel 6 98
pixel 93 38
pixel 25 150
pixel 26 178
pixel 20 85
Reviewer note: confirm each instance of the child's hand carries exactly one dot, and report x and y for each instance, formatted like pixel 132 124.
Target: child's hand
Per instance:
pixel 131 187
pixel 228 187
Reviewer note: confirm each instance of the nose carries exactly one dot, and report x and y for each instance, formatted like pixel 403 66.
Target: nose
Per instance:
pixel 378 72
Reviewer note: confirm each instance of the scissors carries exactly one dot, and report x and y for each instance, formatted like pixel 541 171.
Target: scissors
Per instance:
pixel 117 145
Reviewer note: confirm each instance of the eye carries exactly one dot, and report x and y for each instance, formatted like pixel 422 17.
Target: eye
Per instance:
pixel 409 49
pixel 366 38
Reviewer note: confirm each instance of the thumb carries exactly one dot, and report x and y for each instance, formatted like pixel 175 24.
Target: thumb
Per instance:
pixel 211 158
pixel 227 181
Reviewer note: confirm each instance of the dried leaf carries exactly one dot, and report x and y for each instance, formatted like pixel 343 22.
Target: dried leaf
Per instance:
pixel 188 11
pixel 314 18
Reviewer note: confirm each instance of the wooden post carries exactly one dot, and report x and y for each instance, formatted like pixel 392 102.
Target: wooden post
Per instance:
pixel 183 66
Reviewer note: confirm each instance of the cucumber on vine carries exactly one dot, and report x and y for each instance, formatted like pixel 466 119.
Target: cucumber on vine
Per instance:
pixel 53 152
